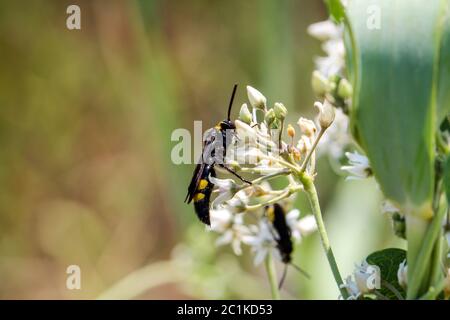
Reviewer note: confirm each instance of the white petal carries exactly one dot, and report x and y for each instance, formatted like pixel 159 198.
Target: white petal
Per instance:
pixel 356 158
pixel 307 225
pixel 324 30
pixel 260 256
pixel 220 219
pixel 226 238
pixel 224 184
pixel 236 246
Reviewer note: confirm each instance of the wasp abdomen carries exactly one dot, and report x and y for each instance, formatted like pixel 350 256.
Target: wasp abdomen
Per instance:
pixel 202 195
pixel 277 217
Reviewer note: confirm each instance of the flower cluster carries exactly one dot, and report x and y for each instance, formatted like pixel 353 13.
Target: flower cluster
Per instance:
pixel 266 148
pixel 328 83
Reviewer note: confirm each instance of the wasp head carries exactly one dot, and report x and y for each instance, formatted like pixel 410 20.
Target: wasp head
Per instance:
pixel 226 125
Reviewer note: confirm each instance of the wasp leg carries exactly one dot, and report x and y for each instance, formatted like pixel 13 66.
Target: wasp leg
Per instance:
pixel 234 173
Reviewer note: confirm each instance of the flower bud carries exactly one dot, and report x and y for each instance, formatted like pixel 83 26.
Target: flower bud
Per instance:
pixel 290 131
pixel 326 113
pixel 319 83
pixel 269 118
pixel 280 110
pixel 256 98
pixel 244 114
pixel 345 89
pixel 296 154
pixel 307 126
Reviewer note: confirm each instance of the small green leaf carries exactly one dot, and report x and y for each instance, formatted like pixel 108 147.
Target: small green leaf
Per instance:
pixel 388 260
pixel 335 9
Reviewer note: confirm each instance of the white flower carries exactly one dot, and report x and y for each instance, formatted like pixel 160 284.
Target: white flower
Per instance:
pixel 402 274
pixel 334 62
pixel 307 126
pixel 300 227
pixel 359 166
pixel 333 45
pixel 325 30
pixel 352 288
pixel 304 144
pixel 367 277
pixel 233 229
pixel 256 98
pixel 221 219
pixel 337 138
pixel 226 188
pixel 247 134
pixel 238 202
pixel 261 241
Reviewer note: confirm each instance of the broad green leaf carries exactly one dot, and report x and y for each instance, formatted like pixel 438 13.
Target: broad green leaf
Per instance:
pixel 395 50
pixel 388 260
pixel 335 9
pixel 443 97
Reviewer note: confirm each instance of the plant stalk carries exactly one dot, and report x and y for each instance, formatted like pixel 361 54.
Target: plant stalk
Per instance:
pixel 315 206
pixel 272 275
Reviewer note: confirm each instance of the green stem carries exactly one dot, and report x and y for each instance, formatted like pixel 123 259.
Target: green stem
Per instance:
pixel 308 156
pixel 283 195
pixel 315 206
pixel 422 260
pixel 272 275
pixel 434 291
pixel 436 271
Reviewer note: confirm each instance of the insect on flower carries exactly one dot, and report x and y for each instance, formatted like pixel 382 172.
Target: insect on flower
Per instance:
pixel 215 145
pixel 283 237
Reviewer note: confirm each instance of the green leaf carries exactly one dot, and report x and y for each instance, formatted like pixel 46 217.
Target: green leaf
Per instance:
pixel 443 96
pixel 388 260
pixel 335 9
pixel 395 72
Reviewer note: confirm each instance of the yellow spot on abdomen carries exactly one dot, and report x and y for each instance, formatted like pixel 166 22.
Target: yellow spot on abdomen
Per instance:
pixel 271 214
pixel 198 197
pixel 202 185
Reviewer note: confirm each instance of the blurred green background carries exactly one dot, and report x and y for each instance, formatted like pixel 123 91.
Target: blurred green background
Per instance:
pixel 86 118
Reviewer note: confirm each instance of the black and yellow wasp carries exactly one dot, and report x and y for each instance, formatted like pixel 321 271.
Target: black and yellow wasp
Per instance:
pixel 282 236
pixel 215 144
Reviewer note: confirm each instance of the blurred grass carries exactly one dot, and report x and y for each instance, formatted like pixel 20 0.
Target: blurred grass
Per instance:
pixel 85 124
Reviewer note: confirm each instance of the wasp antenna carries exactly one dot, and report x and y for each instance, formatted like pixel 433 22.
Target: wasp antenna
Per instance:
pixel 280 284
pixel 231 101
pixel 301 271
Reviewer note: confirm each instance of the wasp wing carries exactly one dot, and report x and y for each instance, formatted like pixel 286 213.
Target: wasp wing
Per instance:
pixel 206 158
pixel 194 182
